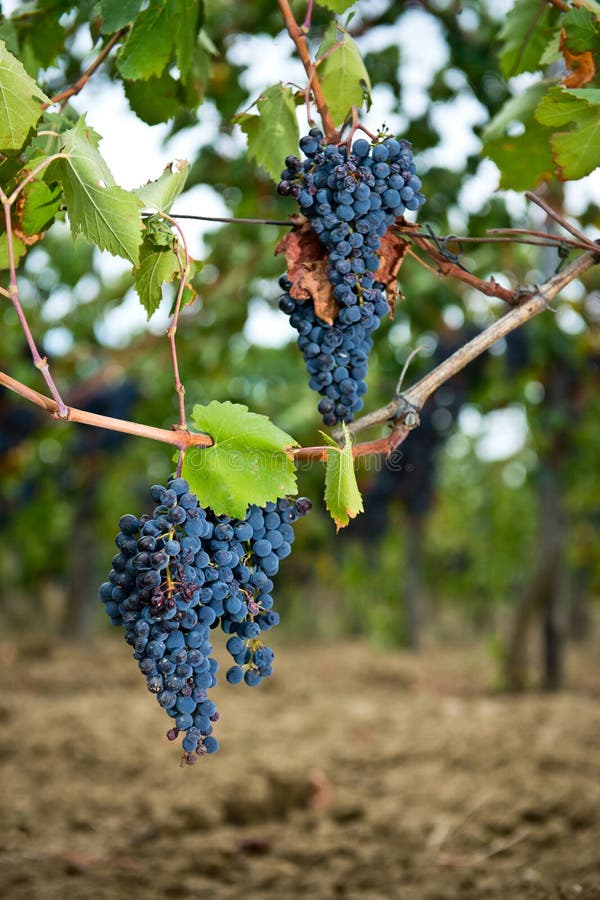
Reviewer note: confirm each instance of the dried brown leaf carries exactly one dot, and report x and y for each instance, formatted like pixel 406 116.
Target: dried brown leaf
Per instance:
pixel 581 66
pixel 392 251
pixel 306 260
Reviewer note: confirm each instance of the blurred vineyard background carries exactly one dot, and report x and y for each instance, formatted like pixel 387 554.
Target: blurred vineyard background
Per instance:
pixel 484 527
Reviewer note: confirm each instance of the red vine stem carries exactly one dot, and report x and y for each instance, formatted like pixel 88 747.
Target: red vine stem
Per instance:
pixel 184 271
pixel 39 361
pixel 447 267
pixel 299 38
pixel 81 82
pixel 562 221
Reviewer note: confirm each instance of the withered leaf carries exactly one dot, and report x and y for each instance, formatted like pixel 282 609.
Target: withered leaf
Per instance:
pixel 392 251
pixel 306 260
pixel 581 66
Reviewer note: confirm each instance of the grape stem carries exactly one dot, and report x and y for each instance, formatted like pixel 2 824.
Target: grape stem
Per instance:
pixel 355 125
pixel 184 272
pixel 298 36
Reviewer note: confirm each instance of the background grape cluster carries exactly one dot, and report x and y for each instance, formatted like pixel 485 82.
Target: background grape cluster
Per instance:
pixel 181 572
pixel 351 198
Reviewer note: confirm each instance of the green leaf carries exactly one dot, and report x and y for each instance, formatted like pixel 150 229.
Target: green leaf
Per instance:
pixel 527 29
pixel 148 47
pixel 342 496
pixel 273 134
pixel 552 52
pixel 576 151
pixel 248 462
pixel 523 158
pixel 118 13
pixel 41 203
pixel 19 249
pixel 337 6
pixel 20 102
pixel 42 38
pixel 188 20
pixel 158 231
pixel 154 100
pixel 342 73
pixel 581 29
pixel 162 193
pixel 99 210
pixel 157 265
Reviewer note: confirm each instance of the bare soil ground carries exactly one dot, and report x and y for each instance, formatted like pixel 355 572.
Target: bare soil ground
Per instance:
pixel 352 773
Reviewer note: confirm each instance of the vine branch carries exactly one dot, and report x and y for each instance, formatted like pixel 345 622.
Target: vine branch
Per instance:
pixel 180 439
pixel 403 409
pixel 299 38
pixel 39 361
pixel 81 82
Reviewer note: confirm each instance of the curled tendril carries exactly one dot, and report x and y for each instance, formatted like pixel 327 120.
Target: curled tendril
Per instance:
pixel 443 248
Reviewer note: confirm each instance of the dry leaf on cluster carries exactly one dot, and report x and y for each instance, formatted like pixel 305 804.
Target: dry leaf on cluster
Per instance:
pixel 392 251
pixel 306 260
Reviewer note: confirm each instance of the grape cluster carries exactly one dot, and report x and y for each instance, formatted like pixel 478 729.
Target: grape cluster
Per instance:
pixel 180 573
pixel 351 198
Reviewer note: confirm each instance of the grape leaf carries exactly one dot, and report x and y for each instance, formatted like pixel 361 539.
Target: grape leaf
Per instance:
pixel 157 265
pixel 20 102
pixel 523 158
pixel 342 496
pixel 148 47
pixel 118 13
pixel 337 6
pixel 40 204
pixel 188 19
pixel 527 29
pixel 273 134
pixel 342 73
pixel 154 100
pixel 162 193
pixel 248 462
pixel 99 210
pixel 581 30
pixel 577 150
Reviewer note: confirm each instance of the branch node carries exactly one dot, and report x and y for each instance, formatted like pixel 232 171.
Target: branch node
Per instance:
pixel 407 414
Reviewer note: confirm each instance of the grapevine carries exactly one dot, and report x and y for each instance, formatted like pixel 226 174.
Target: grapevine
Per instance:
pixel 206 555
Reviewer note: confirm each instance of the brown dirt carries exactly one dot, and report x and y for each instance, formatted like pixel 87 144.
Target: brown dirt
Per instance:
pixel 352 774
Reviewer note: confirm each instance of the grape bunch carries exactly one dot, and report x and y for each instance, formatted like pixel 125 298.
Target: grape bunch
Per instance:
pixel 351 198
pixel 180 573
